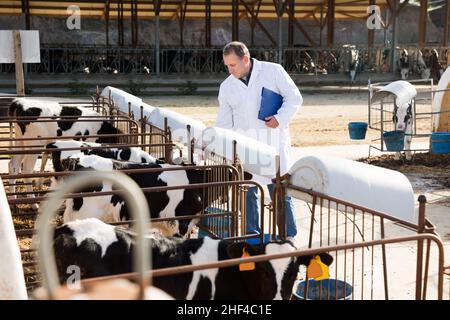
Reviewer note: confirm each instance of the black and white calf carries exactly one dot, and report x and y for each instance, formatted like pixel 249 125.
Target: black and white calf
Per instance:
pixel 164 204
pixel 404 64
pixel 100 249
pixel 403 121
pixel 131 154
pixel 30 128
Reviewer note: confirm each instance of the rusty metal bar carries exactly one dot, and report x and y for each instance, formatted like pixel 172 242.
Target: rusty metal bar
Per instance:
pixel 38 148
pixel 358 207
pixel 148 189
pixel 421 228
pixel 297 253
pixel 311 226
pixel 72 137
pixel 383 251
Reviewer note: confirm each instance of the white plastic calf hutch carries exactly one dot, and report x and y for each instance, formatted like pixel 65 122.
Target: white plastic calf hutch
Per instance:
pixel 366 216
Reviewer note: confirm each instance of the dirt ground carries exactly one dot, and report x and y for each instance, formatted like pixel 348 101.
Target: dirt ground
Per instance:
pixel 426 171
pixel 321 121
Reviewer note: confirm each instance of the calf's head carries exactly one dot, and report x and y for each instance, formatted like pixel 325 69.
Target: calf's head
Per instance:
pixel 272 279
pixel 403 116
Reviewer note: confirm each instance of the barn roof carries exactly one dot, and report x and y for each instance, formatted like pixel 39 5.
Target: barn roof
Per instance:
pixel 171 9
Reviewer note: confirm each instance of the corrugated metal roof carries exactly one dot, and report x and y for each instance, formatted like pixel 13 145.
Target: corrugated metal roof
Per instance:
pixel 171 9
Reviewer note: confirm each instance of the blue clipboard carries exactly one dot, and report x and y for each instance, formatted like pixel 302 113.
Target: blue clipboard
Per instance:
pixel 270 103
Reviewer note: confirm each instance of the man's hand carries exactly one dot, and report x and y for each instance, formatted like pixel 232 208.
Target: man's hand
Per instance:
pixel 271 122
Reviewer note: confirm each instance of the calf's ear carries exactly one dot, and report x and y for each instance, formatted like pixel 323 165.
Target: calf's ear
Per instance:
pixel 236 249
pixel 326 258
pixel 248 175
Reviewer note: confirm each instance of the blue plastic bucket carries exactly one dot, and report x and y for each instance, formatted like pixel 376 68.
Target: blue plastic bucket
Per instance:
pixel 327 289
pixel 394 140
pixel 256 241
pixel 440 142
pixel 357 130
pixel 221 223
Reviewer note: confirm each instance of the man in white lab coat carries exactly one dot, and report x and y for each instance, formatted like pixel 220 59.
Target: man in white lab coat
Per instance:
pixel 239 103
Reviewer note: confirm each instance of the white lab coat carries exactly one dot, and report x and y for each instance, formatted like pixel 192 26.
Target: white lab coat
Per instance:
pixel 239 105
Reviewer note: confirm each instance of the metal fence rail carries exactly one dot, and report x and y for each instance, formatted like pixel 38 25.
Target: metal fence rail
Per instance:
pixel 373 271
pixel 297 60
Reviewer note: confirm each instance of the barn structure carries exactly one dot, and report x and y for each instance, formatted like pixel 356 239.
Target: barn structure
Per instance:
pixel 186 36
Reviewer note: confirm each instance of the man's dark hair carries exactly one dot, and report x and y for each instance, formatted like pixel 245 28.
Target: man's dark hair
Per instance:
pixel 238 48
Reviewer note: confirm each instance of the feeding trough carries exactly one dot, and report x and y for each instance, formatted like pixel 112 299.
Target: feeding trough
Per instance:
pixel 394 140
pixel 440 142
pixel 326 289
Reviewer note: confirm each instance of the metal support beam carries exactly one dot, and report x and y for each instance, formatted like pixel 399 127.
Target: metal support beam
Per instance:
pixel 157 9
pixel 394 36
pixel 446 23
pixel 423 23
pixel 250 11
pixel 181 19
pixel 291 12
pixel 280 7
pixel 280 40
pixel 134 23
pixel 395 12
pixel 302 30
pixel 235 20
pixel 26 12
pixel 370 37
pixel 386 16
pixel 330 18
pixel 252 20
pixel 279 10
pixel 120 23
pixel 321 26
pixel 371 32
pixel 107 22
pixel 208 23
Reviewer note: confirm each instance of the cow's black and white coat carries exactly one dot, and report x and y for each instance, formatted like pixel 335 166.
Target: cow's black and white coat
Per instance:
pixel 404 64
pixel 131 154
pixel 403 119
pixel 164 204
pixel 33 109
pixel 100 249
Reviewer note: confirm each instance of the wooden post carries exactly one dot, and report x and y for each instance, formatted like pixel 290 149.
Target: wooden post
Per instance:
pixel 120 23
pixel 134 23
pixel 181 19
pixel 235 20
pixel 157 9
pixel 321 26
pixel 107 22
pixel 446 24
pixel 26 11
pixel 330 18
pixel 256 20
pixel 280 39
pixel 208 23
pixel 291 13
pixel 395 11
pixel 423 23
pixel 20 84
pixel 371 33
pixel 280 7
